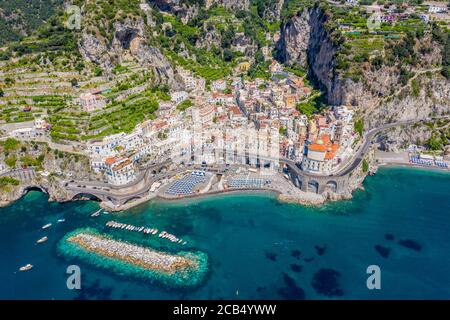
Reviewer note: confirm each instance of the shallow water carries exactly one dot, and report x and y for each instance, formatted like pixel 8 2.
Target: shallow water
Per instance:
pixel 256 246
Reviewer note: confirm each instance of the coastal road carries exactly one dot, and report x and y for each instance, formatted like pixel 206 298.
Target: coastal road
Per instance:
pixel 106 190
pixel 364 148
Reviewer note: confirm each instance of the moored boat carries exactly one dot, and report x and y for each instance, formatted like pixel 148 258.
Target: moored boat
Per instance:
pixel 96 213
pixel 42 240
pixel 26 267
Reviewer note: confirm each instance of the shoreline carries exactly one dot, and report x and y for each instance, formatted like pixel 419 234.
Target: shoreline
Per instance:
pixel 216 192
pixel 301 198
pixel 412 166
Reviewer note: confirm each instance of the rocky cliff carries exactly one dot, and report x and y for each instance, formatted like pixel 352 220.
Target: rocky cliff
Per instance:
pixel 305 42
pixel 379 95
pixel 129 38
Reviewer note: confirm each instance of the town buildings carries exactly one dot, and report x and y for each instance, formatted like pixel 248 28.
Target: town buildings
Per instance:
pixel 118 170
pixel 256 123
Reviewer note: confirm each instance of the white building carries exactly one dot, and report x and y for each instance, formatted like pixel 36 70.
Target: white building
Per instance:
pixel 191 83
pixel 26 133
pixel 41 124
pixel 436 9
pixel 107 146
pixel 220 98
pixel 132 141
pixel 203 115
pixel 179 96
pixel 219 85
pixel 352 2
pixel 119 171
pixel 90 102
pixel 343 113
pixel 320 157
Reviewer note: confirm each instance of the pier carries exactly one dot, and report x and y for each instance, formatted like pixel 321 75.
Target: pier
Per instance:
pixel 145 230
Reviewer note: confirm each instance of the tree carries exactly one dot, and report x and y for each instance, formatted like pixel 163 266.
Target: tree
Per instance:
pixel 365 166
pixel 359 126
pixel 228 55
pixel 435 143
pixel 184 105
pixel 74 82
pixel 11 144
pixel 2 93
pixel 306 108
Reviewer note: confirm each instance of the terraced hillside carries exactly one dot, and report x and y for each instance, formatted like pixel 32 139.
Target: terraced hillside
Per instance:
pixel 130 51
pixel 18 18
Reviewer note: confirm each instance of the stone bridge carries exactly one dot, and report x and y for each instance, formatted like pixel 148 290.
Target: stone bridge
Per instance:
pixel 340 179
pixel 119 195
pixel 315 183
pixel 308 182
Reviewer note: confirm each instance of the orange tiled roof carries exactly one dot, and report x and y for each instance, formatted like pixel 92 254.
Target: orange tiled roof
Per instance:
pixel 110 160
pixel 317 147
pixel 323 144
pixel 122 165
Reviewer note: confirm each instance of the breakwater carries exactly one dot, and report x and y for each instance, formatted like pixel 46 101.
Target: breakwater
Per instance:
pixel 175 269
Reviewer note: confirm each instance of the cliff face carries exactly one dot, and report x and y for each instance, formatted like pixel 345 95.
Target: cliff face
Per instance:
pixel 129 38
pixel 295 39
pixel 305 42
pixel 379 95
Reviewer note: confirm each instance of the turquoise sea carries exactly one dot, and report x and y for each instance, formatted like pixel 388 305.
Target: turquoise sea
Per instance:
pixel 258 248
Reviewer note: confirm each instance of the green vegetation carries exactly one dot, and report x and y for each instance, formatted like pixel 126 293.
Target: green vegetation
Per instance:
pixel 359 126
pixel 365 166
pixel 217 59
pixel 10 144
pixel 184 105
pixel 415 88
pixel 11 161
pixel 101 15
pixel 22 16
pixel 122 117
pixel 7 182
pixel 312 105
pixel 435 142
pixel 30 161
pixel 51 36
pixel 443 38
pixel 306 108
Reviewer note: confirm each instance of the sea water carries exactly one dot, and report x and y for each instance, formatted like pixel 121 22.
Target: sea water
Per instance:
pixel 257 247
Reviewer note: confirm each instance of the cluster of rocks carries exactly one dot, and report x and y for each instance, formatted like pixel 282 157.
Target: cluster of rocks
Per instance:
pixel 133 254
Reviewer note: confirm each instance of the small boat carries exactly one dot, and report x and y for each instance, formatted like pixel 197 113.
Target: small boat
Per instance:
pixel 96 213
pixel 48 225
pixel 42 240
pixel 61 220
pixel 26 267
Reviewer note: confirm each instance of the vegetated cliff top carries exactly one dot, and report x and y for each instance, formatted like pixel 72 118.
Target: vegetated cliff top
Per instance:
pixel 212 37
pixel 18 18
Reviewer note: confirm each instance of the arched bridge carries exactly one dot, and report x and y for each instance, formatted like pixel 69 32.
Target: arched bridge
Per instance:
pixel 340 179
pixel 119 195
